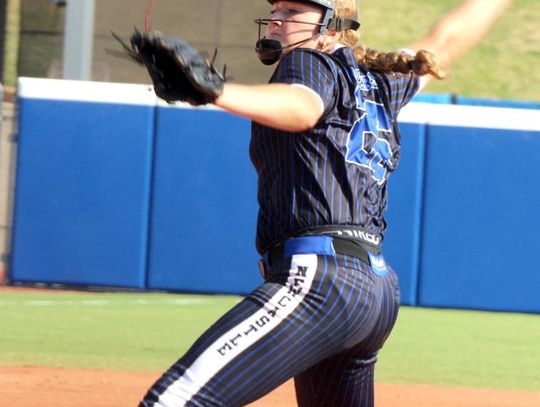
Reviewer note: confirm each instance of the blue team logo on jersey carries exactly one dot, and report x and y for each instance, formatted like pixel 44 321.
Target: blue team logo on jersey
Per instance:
pixel 364 146
pixel 364 83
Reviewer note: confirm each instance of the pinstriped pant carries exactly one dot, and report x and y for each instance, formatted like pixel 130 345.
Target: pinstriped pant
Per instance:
pixel 320 319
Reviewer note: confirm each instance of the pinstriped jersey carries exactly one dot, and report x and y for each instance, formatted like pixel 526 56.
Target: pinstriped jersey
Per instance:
pixel 337 172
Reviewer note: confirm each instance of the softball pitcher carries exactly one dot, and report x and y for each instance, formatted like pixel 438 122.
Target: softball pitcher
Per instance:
pixel 324 141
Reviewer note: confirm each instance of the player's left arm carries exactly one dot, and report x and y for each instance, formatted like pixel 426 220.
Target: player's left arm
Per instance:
pixel 459 30
pixel 292 108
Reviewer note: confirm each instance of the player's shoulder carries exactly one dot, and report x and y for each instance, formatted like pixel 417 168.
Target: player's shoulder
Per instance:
pixel 386 76
pixel 390 80
pixel 309 56
pixel 394 89
pixel 299 51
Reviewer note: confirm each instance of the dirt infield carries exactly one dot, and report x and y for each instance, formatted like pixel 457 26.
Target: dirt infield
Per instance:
pixel 24 386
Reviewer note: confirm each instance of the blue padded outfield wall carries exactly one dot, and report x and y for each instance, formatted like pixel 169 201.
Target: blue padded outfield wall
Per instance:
pixel 477 216
pixel 120 190
pixel 83 183
pixel 117 189
pixel 203 203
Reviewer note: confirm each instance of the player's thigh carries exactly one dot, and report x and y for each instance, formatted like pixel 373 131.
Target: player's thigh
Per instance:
pixel 341 380
pixel 260 343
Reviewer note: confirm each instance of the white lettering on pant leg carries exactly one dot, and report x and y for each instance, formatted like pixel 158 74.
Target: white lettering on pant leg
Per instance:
pixel 232 343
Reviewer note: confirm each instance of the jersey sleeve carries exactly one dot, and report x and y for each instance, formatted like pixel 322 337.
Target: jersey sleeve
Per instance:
pixel 308 68
pixel 398 89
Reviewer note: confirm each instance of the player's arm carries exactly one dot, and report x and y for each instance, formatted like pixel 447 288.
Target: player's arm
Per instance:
pixel 460 29
pixel 281 106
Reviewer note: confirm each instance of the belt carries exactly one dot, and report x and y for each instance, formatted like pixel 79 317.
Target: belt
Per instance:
pixel 321 244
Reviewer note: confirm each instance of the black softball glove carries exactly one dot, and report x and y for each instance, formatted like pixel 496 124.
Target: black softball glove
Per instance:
pixel 179 72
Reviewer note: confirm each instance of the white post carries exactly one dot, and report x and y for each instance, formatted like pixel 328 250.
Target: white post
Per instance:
pixel 78 39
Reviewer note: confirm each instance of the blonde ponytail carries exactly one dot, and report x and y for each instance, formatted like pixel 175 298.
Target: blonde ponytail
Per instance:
pixel 420 63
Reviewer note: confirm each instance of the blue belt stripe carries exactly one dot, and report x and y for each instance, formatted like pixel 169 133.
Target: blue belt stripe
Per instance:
pixel 309 245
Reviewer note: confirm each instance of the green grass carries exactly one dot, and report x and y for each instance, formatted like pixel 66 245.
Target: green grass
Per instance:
pixel 503 65
pixel 148 332
pixel 112 331
pixel 463 348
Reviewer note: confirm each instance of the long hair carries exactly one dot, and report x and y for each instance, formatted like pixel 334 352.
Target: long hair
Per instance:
pixel 421 62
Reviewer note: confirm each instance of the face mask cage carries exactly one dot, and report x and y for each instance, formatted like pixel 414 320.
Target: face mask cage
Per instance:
pixel 324 25
pixel 328 22
pixel 265 21
pixel 269 51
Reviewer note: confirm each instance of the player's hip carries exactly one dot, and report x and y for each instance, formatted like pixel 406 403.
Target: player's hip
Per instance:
pixel 353 254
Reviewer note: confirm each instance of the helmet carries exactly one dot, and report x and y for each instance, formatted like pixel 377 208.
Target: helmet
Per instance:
pixel 328 22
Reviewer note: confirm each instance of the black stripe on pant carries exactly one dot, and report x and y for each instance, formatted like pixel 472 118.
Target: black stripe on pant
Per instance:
pixel 320 319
